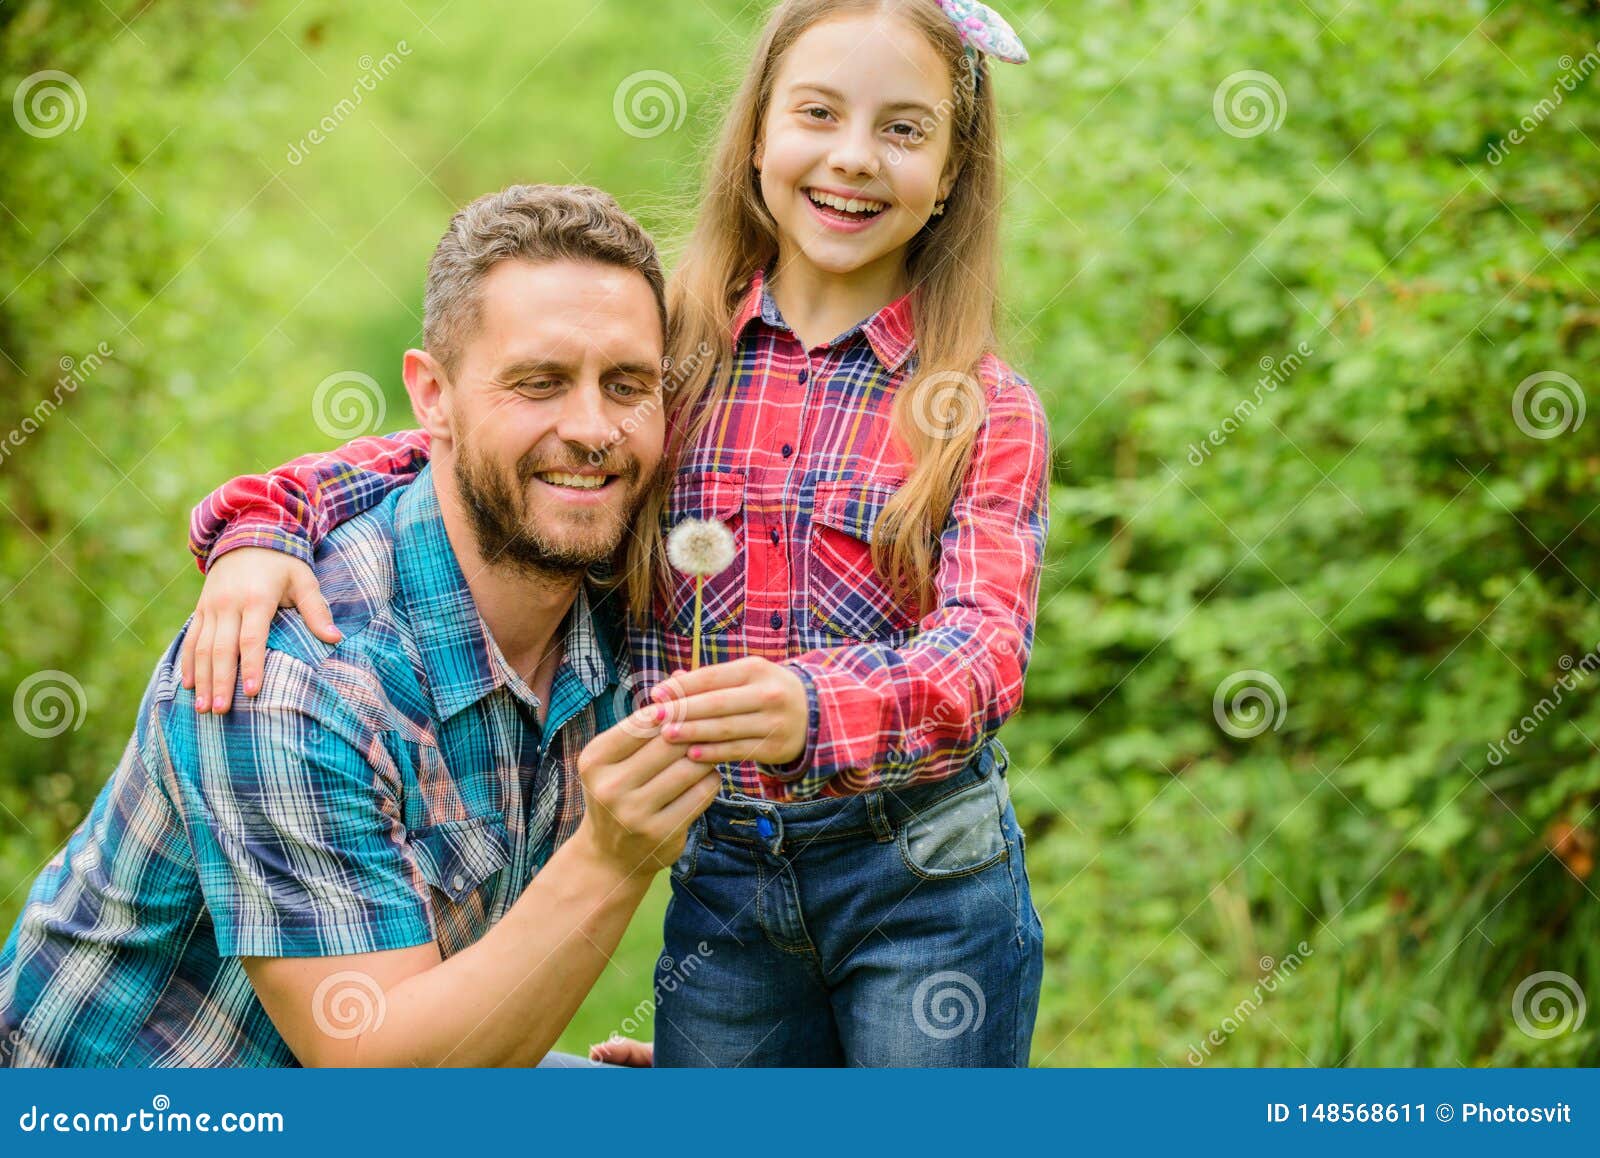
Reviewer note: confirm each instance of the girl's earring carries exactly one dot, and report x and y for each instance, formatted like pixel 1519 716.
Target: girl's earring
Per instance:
pixel 938 209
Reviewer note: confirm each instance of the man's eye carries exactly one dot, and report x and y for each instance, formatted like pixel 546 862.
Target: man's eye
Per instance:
pixel 629 389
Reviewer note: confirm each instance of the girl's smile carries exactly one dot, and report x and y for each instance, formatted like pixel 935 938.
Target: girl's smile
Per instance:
pixel 843 211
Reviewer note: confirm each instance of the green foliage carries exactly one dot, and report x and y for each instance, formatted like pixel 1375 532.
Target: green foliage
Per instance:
pixel 1375 531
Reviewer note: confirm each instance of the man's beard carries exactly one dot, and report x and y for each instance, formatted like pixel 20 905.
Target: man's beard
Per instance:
pixel 506 532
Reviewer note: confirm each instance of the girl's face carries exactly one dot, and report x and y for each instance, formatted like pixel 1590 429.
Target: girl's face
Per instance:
pixel 854 143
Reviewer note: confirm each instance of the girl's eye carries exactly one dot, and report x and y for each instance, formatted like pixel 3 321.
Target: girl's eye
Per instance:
pixel 807 113
pixel 906 131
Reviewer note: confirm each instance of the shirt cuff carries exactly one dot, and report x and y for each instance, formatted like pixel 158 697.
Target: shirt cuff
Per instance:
pixel 801 764
pixel 260 535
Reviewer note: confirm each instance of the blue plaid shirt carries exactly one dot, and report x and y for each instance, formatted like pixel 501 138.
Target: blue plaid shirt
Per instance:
pixel 389 791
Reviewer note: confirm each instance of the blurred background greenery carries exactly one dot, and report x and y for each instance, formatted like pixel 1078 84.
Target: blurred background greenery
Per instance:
pixel 1277 270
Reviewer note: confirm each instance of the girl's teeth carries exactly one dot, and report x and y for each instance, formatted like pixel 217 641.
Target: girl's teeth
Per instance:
pixel 850 205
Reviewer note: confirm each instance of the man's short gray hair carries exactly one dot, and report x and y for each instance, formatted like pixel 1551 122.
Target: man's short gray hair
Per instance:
pixel 536 223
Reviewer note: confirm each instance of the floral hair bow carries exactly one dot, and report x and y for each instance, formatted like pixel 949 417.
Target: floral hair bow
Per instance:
pixel 984 30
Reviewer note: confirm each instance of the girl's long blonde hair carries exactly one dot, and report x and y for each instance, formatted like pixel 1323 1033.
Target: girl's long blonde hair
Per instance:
pixel 951 266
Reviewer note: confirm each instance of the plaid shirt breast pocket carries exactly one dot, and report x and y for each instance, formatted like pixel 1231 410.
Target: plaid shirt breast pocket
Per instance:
pixel 462 862
pixel 719 496
pixel 846 596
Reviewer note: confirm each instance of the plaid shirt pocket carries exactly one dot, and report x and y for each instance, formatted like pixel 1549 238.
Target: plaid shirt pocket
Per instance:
pixel 846 595
pixel 460 860
pixel 717 495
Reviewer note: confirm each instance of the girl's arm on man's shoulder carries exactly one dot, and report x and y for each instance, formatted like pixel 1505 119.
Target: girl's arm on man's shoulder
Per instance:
pixel 291 508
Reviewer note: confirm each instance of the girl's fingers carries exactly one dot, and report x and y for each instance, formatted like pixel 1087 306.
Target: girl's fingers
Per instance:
pixel 733 752
pixel 224 660
pixel 253 630
pixel 186 661
pixel 202 664
pixel 313 608
pixel 682 685
pixel 724 702
pixel 746 725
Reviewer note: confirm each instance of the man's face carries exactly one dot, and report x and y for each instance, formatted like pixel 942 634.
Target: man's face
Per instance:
pixel 556 413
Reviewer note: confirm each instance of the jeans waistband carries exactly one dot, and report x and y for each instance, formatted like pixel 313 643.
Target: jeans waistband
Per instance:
pixel 878 814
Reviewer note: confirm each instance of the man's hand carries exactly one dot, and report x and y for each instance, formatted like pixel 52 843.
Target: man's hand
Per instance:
pixel 748 709
pixel 243 591
pixel 641 794
pixel 623 1051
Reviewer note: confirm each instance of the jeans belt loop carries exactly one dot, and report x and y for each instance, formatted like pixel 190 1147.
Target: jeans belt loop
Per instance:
pixel 882 829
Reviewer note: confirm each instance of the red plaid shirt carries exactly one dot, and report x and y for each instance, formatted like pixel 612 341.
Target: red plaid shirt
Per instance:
pixel 798 460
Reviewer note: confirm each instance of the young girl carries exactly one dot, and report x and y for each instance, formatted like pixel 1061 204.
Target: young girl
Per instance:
pixel 857 894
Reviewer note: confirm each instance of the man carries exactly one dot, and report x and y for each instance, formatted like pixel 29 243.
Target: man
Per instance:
pixel 384 857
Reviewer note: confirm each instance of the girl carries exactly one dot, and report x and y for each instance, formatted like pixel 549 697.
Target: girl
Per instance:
pixel 857 894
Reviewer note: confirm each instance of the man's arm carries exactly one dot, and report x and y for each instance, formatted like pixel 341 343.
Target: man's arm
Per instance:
pixel 505 999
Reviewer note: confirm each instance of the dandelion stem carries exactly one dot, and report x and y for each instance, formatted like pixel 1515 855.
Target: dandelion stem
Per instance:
pixel 699 586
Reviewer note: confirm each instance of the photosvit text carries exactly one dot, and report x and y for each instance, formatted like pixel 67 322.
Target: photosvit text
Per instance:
pixel 1385 1113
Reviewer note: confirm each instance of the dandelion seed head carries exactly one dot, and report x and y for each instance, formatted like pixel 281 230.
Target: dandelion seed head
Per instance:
pixel 700 547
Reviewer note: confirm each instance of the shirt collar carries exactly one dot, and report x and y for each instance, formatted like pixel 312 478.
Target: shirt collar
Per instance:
pixel 461 660
pixel 889 331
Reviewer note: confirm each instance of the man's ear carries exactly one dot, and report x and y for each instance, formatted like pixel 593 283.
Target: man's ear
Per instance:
pixel 431 394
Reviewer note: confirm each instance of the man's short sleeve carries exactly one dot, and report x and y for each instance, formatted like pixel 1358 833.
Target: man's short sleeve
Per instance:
pixel 294 820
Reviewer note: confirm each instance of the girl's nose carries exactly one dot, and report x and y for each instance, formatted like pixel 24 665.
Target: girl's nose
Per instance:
pixel 855 154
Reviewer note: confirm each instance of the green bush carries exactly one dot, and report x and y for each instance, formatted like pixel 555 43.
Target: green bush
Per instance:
pixel 1374 531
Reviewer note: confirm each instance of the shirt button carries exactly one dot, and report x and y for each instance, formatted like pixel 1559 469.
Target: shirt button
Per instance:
pixel 804 374
pixel 776 621
pixel 787 450
pixel 458 882
pixel 773 534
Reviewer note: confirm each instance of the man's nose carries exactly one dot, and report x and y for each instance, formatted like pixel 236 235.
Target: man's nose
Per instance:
pixel 585 419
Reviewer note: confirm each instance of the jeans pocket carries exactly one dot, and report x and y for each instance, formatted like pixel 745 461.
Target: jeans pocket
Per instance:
pixel 683 868
pixel 956 836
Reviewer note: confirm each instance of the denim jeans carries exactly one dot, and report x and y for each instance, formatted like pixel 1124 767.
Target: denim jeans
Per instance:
pixel 893 928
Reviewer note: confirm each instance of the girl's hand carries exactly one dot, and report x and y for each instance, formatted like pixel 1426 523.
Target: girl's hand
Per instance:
pixel 748 709
pixel 243 591
pixel 624 1051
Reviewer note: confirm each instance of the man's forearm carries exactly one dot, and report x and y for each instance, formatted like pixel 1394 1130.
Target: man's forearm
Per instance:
pixel 505 1000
